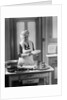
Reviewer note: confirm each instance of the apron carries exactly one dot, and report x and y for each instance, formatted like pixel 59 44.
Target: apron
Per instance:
pixel 28 60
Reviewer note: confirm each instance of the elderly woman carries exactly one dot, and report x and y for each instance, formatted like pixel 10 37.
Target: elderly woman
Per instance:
pixel 25 48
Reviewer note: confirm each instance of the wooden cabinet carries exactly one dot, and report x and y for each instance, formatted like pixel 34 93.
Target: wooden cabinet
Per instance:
pixel 52 61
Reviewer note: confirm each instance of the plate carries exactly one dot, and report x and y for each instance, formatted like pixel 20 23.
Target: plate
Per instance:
pixel 36 52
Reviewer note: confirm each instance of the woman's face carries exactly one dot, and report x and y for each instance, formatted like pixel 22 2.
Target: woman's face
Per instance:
pixel 25 36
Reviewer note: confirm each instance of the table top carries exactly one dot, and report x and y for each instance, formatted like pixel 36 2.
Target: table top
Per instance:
pixel 29 71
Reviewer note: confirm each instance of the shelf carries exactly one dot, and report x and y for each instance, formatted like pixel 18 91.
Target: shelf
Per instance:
pixel 51 55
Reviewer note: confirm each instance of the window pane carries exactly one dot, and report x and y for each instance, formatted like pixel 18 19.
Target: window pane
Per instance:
pixel 19 29
pixel 32 30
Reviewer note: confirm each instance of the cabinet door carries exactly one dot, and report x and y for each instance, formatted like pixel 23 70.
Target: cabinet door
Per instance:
pixel 53 62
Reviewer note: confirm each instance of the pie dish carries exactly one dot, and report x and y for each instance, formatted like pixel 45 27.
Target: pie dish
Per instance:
pixel 36 52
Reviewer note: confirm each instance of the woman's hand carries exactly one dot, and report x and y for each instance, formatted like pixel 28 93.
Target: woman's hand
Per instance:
pixel 25 54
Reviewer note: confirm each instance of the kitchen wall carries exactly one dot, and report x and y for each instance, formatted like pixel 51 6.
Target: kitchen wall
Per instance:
pixel 7 40
pixel 49 34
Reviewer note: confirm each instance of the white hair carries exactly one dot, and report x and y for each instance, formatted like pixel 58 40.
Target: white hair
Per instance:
pixel 23 33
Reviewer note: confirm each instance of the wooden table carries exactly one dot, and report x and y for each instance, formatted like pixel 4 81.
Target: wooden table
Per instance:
pixel 30 74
